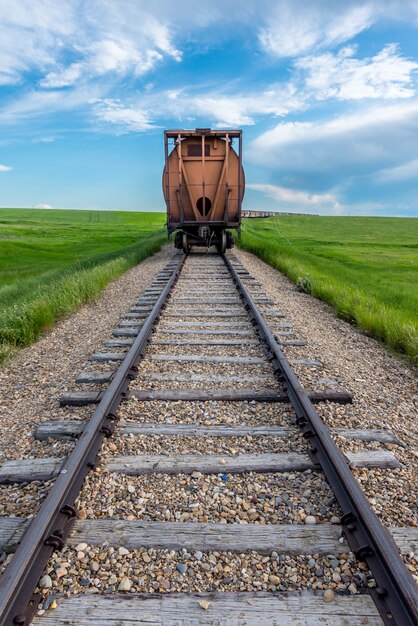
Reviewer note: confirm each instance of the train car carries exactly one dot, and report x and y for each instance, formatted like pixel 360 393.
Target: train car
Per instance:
pixel 203 185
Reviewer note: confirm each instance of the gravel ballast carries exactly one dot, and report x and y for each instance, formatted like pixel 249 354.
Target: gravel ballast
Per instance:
pixel 377 379
pixel 384 388
pixel 32 383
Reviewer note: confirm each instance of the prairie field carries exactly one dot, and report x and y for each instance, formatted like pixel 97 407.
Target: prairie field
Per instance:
pixel 52 261
pixel 364 267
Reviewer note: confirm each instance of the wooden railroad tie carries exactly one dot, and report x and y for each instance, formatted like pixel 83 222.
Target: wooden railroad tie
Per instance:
pixel 27 470
pixel 81 398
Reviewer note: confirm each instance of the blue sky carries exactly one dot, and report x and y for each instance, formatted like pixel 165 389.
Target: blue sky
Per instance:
pixel 325 92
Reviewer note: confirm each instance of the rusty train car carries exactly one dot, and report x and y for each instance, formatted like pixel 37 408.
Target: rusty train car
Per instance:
pixel 203 185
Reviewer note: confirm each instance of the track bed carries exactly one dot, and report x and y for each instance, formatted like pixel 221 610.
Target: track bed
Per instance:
pixel 208 503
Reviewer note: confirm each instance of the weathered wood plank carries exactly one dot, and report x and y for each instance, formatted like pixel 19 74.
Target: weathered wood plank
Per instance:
pixel 234 395
pixel 306 362
pixel 220 290
pixel 201 279
pixel 214 464
pixel 11 530
pixel 294 538
pixel 373 458
pixel 366 434
pixel 195 358
pixel 209 314
pixel 406 539
pixel 205 342
pixel 138 314
pixel 172 331
pixel 95 377
pixel 262 395
pixel 126 332
pixel 239 325
pixel 208 464
pixel 263 538
pixel 299 608
pixel 341 396
pixel 80 398
pixel 217 301
pixel 290 342
pixel 118 343
pixel 69 429
pixel 27 470
pixel 207 378
pixel 109 356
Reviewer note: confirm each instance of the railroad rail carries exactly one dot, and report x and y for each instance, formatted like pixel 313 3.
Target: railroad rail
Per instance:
pixel 228 292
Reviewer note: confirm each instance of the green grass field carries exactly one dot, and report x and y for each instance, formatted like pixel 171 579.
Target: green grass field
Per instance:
pixel 52 261
pixel 365 267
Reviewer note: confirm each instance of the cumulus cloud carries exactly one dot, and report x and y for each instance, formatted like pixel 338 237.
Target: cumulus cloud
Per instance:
pixel 219 108
pixel 404 172
pixel 43 206
pixel 295 28
pixel 124 119
pixel 5 168
pixel 341 76
pixel 40 103
pixel 296 199
pixel 360 143
pixel 100 37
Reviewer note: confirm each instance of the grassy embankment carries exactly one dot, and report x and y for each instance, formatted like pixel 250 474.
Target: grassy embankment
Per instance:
pixel 52 261
pixel 365 267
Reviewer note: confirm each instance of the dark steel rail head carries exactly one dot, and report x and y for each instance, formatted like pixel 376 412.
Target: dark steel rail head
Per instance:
pixel 395 594
pixel 54 520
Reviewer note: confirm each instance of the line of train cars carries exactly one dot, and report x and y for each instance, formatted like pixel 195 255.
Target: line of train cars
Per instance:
pixel 203 185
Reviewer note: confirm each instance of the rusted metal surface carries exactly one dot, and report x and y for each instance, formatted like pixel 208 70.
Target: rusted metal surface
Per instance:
pixel 52 524
pixel 203 185
pixel 395 594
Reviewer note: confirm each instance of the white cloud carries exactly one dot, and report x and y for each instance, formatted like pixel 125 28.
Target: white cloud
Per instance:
pixel 399 173
pixel 32 35
pixel 293 29
pixel 47 139
pixel 100 36
pixel 40 103
pixel 5 168
pixel 43 206
pixel 341 76
pixel 125 119
pixel 359 143
pixel 297 199
pixel 218 108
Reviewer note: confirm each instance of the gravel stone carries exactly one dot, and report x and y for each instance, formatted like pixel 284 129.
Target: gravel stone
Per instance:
pixel 383 386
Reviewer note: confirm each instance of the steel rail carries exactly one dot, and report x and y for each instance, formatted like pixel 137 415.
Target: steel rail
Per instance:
pixel 55 518
pixel 395 594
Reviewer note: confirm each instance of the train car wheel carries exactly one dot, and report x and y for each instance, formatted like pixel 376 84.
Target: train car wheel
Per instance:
pixel 186 245
pixel 222 242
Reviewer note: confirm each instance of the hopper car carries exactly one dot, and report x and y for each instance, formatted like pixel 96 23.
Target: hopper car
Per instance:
pixel 203 185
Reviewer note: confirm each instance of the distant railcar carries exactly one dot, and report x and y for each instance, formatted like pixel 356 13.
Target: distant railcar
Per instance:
pixel 203 186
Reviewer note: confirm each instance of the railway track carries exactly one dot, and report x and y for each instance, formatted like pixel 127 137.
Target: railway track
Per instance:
pixel 202 408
